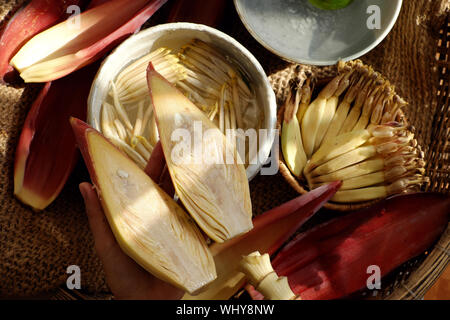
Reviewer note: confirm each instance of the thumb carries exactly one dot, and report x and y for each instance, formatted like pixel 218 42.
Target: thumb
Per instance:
pixel 103 236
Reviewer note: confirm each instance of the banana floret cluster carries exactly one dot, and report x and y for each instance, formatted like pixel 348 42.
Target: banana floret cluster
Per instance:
pixel 353 131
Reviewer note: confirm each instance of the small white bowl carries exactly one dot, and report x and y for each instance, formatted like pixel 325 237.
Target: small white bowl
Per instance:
pixel 174 35
pixel 298 32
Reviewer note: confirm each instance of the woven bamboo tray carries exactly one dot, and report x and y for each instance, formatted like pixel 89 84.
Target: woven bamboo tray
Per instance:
pixel 301 186
pixel 414 278
pixel 35 249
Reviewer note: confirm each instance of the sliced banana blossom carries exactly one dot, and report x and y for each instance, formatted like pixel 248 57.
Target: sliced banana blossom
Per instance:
pixel 205 76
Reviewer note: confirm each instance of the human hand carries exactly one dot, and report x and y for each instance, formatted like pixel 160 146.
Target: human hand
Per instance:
pixel 126 279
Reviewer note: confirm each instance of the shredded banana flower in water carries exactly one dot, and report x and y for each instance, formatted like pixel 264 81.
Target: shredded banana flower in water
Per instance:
pixel 207 77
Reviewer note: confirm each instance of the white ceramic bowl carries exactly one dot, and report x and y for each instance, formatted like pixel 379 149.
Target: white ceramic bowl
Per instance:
pixel 299 32
pixel 174 35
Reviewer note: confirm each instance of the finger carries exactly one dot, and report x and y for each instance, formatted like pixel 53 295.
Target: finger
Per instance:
pixel 103 236
pixel 156 163
pixel 253 293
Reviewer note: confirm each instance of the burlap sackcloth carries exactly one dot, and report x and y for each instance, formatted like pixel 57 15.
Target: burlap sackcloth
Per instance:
pixel 37 248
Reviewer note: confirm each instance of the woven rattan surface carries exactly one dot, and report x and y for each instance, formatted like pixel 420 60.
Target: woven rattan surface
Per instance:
pixel 37 248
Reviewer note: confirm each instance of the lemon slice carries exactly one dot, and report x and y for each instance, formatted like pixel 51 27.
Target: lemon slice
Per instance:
pixel 330 4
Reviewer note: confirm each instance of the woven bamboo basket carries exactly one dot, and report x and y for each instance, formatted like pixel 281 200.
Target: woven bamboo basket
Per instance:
pixel 413 279
pixel 37 248
pixel 300 185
